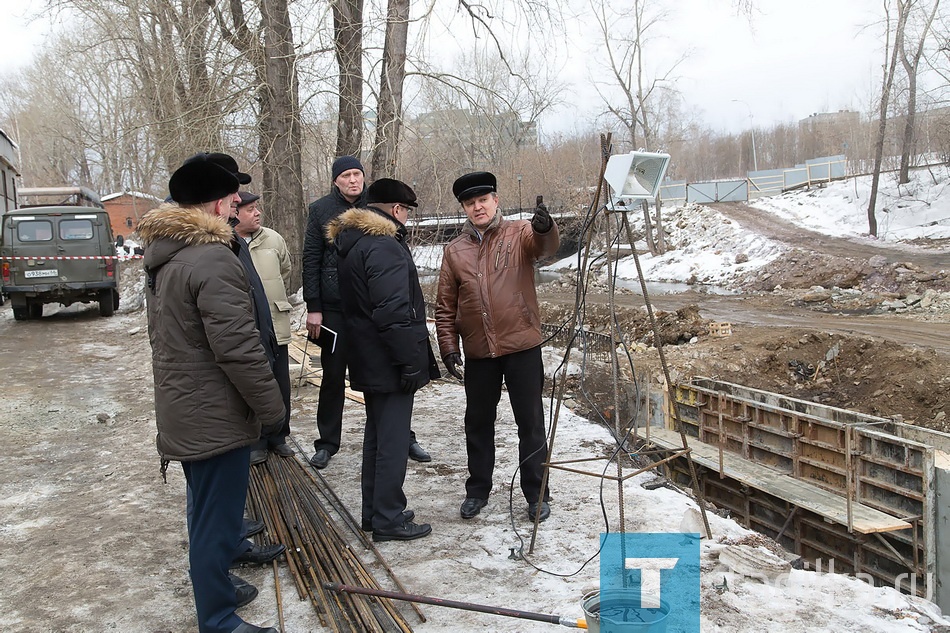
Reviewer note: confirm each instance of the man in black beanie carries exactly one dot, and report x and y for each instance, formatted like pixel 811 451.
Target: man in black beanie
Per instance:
pixel 214 387
pixel 321 292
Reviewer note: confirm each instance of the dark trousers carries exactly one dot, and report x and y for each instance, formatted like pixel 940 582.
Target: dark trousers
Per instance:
pixel 523 373
pixel 243 545
pixel 385 453
pixel 332 386
pixel 282 374
pixel 218 487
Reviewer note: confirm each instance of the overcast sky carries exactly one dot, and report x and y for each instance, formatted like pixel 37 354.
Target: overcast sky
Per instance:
pixel 795 58
pixel 791 60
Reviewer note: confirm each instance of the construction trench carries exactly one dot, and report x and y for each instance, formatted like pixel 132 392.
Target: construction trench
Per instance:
pixel 845 491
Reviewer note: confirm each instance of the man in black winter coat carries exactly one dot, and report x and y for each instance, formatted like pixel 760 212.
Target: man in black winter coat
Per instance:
pixel 388 353
pixel 321 292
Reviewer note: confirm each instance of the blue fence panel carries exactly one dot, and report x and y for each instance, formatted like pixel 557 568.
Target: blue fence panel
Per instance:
pixel 796 177
pixel 765 182
pixel 826 167
pixel 701 192
pixel 732 191
pixel 673 191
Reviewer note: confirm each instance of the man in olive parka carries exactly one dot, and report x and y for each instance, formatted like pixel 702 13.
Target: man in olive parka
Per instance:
pixel 214 388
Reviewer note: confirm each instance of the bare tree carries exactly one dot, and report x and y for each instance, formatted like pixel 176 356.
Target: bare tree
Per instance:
pixel 269 47
pixel 348 42
pixel 911 62
pixel 392 78
pixel 903 10
pixel 78 121
pixel 625 35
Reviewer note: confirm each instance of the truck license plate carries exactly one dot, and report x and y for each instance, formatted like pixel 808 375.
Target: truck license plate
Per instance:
pixel 41 272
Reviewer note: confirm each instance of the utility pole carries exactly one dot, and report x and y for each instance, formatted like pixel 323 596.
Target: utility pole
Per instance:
pixel 519 193
pixel 755 162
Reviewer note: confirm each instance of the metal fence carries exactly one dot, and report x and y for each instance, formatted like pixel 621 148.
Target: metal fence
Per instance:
pixel 767 182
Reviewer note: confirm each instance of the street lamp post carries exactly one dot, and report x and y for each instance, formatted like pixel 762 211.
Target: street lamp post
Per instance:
pixel 519 193
pixel 755 162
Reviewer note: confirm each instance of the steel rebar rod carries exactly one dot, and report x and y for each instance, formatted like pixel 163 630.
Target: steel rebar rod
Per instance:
pixel 467 606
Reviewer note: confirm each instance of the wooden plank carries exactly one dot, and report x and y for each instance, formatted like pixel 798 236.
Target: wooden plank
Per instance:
pixel 296 349
pixel 799 493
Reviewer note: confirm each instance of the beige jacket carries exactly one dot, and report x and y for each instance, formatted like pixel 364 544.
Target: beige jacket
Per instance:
pixel 272 261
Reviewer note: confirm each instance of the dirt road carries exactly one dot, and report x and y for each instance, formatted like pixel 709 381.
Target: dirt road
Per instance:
pixel 764 223
pixel 769 311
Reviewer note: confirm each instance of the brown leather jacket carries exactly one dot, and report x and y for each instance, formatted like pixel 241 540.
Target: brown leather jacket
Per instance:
pixel 486 289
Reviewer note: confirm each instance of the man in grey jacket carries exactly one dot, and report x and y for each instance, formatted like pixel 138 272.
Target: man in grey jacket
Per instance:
pixel 214 388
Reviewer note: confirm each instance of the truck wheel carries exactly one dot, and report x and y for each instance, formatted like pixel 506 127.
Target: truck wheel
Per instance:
pixel 35 309
pixel 107 302
pixel 20 313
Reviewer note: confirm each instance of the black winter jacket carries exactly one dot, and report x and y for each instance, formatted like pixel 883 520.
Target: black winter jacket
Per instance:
pixel 382 301
pixel 321 286
pixel 262 317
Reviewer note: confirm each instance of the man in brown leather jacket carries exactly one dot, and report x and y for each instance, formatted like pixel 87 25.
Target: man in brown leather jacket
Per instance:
pixel 487 298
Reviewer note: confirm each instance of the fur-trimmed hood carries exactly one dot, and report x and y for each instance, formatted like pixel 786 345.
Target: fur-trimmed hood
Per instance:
pixel 352 225
pixel 169 228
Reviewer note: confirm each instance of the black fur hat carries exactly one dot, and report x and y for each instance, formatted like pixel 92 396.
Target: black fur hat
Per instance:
pixel 474 184
pixel 201 179
pixel 231 165
pixel 390 190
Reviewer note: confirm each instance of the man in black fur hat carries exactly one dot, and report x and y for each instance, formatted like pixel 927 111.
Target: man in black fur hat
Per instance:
pixel 214 387
pixel 388 353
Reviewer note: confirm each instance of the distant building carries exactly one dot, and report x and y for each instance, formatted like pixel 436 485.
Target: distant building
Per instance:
pixel 9 172
pixel 127 208
pixel 464 128
pixel 828 133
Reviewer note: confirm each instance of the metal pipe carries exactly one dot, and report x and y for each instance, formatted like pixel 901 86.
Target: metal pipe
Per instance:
pixel 579 623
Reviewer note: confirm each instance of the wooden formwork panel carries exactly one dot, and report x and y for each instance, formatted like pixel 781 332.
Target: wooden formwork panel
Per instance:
pixel 798 492
pixel 851 454
pixel 888 559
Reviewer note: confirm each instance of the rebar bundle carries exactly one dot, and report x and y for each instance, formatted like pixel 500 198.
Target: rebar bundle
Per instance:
pixel 302 512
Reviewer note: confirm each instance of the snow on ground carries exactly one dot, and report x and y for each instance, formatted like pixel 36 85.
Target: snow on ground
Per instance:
pixel 919 209
pixel 709 249
pixel 470 560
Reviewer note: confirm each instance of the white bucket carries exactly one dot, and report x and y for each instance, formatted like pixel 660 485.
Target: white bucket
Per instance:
pixel 614 613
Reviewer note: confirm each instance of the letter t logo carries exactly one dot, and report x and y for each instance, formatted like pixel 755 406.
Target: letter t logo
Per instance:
pixel 650 578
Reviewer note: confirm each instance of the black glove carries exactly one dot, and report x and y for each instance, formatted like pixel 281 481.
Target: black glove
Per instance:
pixel 271 429
pixel 541 222
pixel 453 364
pixel 413 381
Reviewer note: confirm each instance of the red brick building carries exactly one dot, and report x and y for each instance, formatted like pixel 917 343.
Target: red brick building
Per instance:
pixel 126 209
